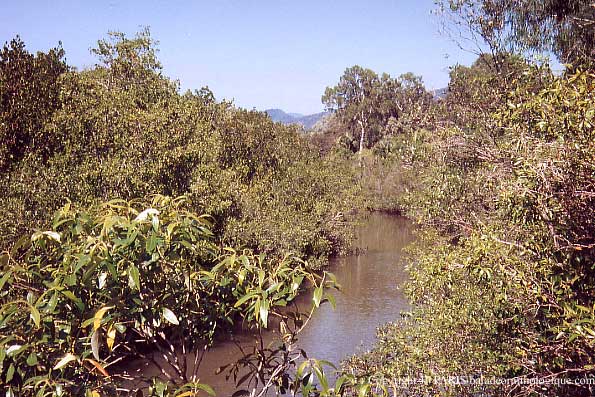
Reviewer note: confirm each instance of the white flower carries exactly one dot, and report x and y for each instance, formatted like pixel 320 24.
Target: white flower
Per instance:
pixel 52 235
pixel 145 214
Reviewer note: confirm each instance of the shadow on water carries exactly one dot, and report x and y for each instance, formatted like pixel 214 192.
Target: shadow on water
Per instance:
pixel 370 297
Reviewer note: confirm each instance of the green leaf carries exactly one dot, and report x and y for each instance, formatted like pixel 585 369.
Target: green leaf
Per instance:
pixel 296 282
pixel 332 301
pixel 321 378
pixel 35 315
pixel 23 242
pixel 151 243
pixel 317 297
pixel 10 373
pixel 171 227
pixel 79 303
pixel 186 244
pixel 111 268
pixel 244 299
pixel 205 388
pixel 327 363
pixel 339 383
pixel 363 390
pixel 133 277
pixel 274 287
pixel 301 368
pixel 32 359
pixel 170 316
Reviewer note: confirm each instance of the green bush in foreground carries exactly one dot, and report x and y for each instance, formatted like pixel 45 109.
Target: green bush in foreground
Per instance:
pixel 109 283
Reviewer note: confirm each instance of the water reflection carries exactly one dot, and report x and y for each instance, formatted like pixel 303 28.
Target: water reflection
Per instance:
pixel 371 293
pixel 370 296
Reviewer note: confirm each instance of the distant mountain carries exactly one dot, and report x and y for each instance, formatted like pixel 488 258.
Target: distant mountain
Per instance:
pixel 280 116
pixel 307 121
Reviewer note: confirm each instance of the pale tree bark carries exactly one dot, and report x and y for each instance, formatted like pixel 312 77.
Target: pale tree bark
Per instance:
pixel 361 140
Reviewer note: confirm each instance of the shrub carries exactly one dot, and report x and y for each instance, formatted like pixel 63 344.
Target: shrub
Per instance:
pixel 503 285
pixel 105 283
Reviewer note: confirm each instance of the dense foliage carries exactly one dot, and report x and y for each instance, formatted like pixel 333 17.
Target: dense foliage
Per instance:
pixel 121 130
pixel 29 90
pixel 502 274
pixel 178 216
pixel 120 280
pixel 566 28
pixel 138 221
pixel 371 107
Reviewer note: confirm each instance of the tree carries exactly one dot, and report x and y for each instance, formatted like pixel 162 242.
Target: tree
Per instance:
pixel 29 95
pixel 131 65
pixel 566 28
pixel 410 103
pixel 355 100
pixel 365 103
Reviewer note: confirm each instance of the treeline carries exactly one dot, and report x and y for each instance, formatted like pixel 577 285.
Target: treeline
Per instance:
pixel 122 130
pixel 136 218
pixel 500 175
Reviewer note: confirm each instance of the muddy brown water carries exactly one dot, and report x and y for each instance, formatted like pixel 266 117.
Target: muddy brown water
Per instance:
pixel 371 296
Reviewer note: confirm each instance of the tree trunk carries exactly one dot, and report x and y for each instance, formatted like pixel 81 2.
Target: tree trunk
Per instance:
pixel 361 141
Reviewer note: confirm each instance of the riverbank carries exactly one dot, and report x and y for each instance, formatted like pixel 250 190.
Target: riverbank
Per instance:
pixel 370 296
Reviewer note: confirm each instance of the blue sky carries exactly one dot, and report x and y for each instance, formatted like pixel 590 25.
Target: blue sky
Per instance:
pixel 262 54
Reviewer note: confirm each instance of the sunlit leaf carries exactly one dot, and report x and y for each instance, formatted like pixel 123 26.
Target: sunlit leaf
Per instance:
pixel 10 373
pixel 208 389
pixel 244 299
pixel 32 359
pixel 111 337
pixel 170 316
pixel 331 299
pixel 317 296
pixel 99 316
pixel 95 344
pixel 5 277
pixel 264 312
pixel 144 215
pixel 14 349
pixel 133 277
pixel 35 315
pixel 69 357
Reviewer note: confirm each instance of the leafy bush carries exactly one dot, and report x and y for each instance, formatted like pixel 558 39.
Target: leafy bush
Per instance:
pixel 29 94
pixel 123 131
pixel 107 283
pixel 503 285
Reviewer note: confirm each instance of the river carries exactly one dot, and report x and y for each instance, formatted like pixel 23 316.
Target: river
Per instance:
pixel 371 295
